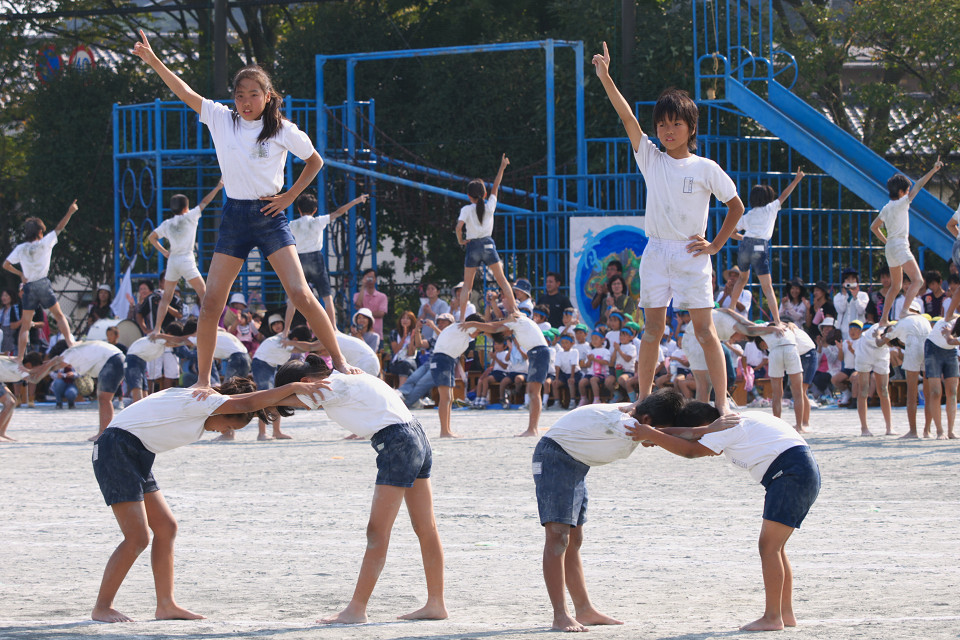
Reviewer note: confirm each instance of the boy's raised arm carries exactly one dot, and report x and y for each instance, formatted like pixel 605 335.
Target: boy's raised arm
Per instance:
pixel 790 187
pixel 72 209
pixel 602 64
pixel 207 199
pixel 363 197
pixel 919 184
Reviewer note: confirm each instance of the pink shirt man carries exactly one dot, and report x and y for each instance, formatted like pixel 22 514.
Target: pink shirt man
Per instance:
pixel 369 297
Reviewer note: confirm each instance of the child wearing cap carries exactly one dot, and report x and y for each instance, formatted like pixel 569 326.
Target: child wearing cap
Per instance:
pixel 594 367
pixel 847 379
pixel 873 357
pixel 521 291
pixel 495 372
pixel 581 340
pixel 623 354
pixel 568 370
pixel 362 327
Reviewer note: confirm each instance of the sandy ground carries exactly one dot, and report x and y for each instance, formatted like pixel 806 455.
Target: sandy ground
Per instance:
pixel 271 536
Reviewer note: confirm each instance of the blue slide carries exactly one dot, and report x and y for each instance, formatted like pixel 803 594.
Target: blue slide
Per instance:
pixel 852 163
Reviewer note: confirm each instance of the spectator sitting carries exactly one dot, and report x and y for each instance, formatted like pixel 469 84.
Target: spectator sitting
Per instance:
pixel 100 307
pixel 362 327
pixel 540 315
pixel 935 295
pixel 820 305
pixel 404 344
pixel 614 268
pixel 794 304
pixel 521 291
pixel 369 298
pixel 431 309
pixel 555 301
pixel 745 299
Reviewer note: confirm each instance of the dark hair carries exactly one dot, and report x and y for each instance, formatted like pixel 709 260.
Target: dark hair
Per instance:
pixel 149 284
pixel 295 370
pixel 243 384
pixel 896 184
pixel 35 358
pixel 368 270
pixel 499 338
pixel 696 414
pixel 179 202
pixel 272 115
pixel 368 323
pixel 413 322
pixel 676 103
pixel 622 281
pixel 615 263
pixel 953 278
pixel 428 283
pixel 883 270
pixel 13 296
pixel 761 195
pixel 189 327
pixel 931 276
pixel 306 203
pixel 474 317
pixel 174 328
pixel 796 282
pixel 556 276
pixel 956 329
pixel 543 310
pixel 62 346
pixel 661 406
pixel 300 332
pixel 478 191
pixel 849 272
pixel 33 229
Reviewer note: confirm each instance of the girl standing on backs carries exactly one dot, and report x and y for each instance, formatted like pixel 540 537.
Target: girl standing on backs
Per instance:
pixel 477 219
pixel 252 144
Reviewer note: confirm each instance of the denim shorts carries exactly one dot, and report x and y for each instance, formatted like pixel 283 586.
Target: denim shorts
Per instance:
pixel 441 368
pixel 939 362
pixel 538 364
pixel 562 377
pixel 238 364
pixel 122 466
pixel 111 375
pixel 403 454
pixel 37 295
pixel 135 372
pixel 754 255
pixel 243 226
pixel 561 482
pixel 792 483
pixel 809 363
pixel 315 271
pixel 263 374
pixel 481 251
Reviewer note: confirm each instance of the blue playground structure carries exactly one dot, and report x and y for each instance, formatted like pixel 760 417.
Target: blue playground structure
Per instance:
pixel 751 124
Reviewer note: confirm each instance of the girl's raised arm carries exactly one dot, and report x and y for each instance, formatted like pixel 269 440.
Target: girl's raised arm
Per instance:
pixel 504 161
pixel 182 90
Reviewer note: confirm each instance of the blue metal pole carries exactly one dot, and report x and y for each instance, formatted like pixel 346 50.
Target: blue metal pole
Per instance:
pixel 581 128
pixel 351 185
pixel 158 158
pixel 116 199
pixel 373 189
pixel 321 136
pixel 551 240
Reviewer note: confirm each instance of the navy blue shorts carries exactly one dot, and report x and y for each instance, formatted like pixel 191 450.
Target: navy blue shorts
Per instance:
pixel 792 483
pixel 481 251
pixel 441 368
pixel 403 454
pixel 111 375
pixel 37 295
pixel 315 271
pixel 123 466
pixel 939 362
pixel 512 375
pixel 538 365
pixel 754 255
pixel 135 372
pixel 847 372
pixel 243 226
pixel 403 368
pixel 498 375
pixel 263 374
pixel 809 363
pixel 562 377
pixel 237 364
pixel 561 482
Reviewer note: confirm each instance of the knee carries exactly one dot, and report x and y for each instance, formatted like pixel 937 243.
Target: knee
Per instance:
pixel 557 539
pixel 138 541
pixel 768 548
pixel 883 390
pixel 300 296
pixel 377 536
pixel 166 530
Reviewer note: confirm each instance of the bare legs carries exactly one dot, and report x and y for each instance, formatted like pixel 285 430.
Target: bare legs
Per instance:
pixel 562 568
pixel 327 306
pixel 913 381
pixel 105 409
pixel 536 405
pixel 716 364
pixel 135 520
pixel 169 286
pixel 777 579
pixel 445 407
pixel 9 404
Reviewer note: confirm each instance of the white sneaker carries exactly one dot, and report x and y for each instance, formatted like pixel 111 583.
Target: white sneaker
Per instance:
pixel 426 403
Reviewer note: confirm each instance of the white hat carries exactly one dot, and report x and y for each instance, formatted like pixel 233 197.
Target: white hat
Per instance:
pixel 238 298
pixel 828 322
pixel 915 306
pixel 274 318
pixel 363 311
pixel 105 287
pixel 459 285
pixel 446 316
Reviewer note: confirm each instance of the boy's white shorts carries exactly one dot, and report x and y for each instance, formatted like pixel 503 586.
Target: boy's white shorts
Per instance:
pixel 668 272
pixel 913 354
pixel 784 360
pixel 181 266
pixel 695 355
pixel 877 364
pixel 166 366
pixel 897 252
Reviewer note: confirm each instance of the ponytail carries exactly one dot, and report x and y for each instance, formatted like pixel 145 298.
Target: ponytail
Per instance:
pixel 477 191
pixel 295 370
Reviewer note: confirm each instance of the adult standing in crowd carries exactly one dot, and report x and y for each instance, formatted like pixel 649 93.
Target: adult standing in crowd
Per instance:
pixel 100 307
pixel 850 303
pixel 369 298
pixel 614 268
pixel 9 322
pixel 555 301
pixel 431 308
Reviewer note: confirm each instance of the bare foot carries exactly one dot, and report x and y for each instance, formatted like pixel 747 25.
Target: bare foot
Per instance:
pixel 9 439
pixel 909 435
pixel 528 434
pixel 889 432
pixel 281 436
pixel 940 436
pixel 789 620
pixel 108 614
pixel 950 436
pixel 865 432
pixel 174 612
pixel 450 434
pixel 226 436
pixel 564 622
pixel 353 436
pixel 926 433
pixel 593 616
pixel 763 624
pixel 429 612
pixel 262 437
pixel 347 616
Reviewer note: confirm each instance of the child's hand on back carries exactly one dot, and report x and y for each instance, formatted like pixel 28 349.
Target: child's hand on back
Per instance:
pixel 638 432
pixel 602 62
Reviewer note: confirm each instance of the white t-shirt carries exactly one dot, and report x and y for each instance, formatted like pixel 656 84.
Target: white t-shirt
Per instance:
pixel 181 232
pixel 753 354
pixel 526 332
pixel 913 326
pixel 308 232
pixel 147 349
pixel 453 341
pixel 10 370
pixel 629 351
pixel 472 227
pixel 678 191
pixel 273 352
pixel 867 344
pixel 34 257
pixel 568 361
pixel 583 348
pixel 759 222
pixel 848 311
pixel 754 443
pixel 88 357
pixel 168 419
pixel 746 299
pixel 850 353
pixel 358 353
pixel 227 345
pixel 518 362
pixel 471 309
pixel 895 216
pixel 724 324
pixel 498 357
pixel 804 342
pixel 361 404
pixel 936 334
pixel 251 169
pixel 593 366
pixel 595 434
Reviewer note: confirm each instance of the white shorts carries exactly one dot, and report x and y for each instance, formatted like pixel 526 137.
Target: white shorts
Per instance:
pixel 879 363
pixel 913 354
pixel 668 272
pixel 897 252
pixel 181 266
pixel 784 360
pixel 166 366
pixel 694 352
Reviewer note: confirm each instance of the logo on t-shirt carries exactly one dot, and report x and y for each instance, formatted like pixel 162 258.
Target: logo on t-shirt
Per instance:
pixel 262 150
pixel 688 184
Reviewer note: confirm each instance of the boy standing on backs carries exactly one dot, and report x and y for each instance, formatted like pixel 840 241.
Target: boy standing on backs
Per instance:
pixel 676 262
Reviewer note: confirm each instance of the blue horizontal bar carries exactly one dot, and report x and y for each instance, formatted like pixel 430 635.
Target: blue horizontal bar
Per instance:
pixel 441 51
